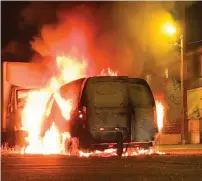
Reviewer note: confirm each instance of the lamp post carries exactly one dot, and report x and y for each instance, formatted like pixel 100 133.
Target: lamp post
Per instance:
pixel 182 89
pixel 170 30
pixel 181 46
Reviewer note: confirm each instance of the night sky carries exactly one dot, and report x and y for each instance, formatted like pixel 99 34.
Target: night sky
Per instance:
pixel 12 28
pixel 194 25
pixel 10 21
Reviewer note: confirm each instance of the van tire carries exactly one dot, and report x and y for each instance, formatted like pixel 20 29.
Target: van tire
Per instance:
pixel 119 140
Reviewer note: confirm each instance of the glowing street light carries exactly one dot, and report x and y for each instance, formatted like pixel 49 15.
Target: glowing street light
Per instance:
pixel 169 29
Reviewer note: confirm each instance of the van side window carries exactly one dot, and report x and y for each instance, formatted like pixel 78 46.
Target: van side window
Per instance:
pixel 71 92
pixel 140 96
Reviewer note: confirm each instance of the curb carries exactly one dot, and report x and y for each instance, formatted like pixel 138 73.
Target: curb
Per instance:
pixel 179 147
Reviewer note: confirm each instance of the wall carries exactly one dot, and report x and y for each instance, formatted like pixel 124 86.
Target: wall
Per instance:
pixel 194 114
pixel 29 75
pixel 194 68
pixel 194 104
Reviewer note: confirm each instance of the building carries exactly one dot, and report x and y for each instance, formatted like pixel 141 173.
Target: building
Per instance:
pixel 194 95
pixel 194 68
pixel 193 80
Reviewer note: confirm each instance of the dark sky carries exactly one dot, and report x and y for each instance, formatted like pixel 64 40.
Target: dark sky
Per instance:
pixel 194 24
pixel 11 21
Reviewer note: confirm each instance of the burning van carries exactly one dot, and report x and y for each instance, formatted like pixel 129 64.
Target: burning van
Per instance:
pixel 110 112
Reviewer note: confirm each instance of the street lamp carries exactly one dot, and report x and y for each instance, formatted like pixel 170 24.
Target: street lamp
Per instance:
pixel 171 30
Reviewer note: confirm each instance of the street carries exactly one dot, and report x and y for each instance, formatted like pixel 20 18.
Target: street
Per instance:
pixel 139 168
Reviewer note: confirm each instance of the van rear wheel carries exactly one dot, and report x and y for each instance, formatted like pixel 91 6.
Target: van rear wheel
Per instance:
pixel 119 140
pixel 119 151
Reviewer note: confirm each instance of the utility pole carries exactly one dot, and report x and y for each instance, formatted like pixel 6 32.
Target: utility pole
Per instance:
pixel 184 123
pixel 183 117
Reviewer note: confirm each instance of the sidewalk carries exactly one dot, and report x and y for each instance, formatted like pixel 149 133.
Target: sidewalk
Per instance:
pixel 190 149
pixel 180 147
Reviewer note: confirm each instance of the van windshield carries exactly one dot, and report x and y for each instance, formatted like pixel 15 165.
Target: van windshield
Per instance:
pixel 109 94
pixel 140 95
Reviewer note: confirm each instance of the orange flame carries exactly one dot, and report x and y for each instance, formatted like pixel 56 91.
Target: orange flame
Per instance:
pixel 108 72
pixel 36 110
pixel 160 114
pixel 129 152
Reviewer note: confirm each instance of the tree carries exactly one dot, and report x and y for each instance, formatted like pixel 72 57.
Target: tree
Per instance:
pixel 173 98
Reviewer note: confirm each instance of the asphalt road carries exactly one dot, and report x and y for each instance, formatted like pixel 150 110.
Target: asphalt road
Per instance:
pixel 66 168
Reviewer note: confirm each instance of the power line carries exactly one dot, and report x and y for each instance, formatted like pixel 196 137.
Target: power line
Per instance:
pixel 195 42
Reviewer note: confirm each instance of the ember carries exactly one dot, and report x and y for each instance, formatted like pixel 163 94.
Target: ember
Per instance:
pixel 129 152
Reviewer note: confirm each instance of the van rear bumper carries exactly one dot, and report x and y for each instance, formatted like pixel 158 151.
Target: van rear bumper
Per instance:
pixel 102 146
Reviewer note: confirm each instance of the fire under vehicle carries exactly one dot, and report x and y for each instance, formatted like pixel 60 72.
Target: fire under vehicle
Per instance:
pixel 108 112
pixel 18 79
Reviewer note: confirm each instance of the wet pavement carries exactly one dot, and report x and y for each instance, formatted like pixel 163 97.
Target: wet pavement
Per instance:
pixel 65 168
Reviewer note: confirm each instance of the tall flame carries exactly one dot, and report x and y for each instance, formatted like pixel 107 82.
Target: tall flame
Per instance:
pixel 36 110
pixel 160 114
pixel 108 72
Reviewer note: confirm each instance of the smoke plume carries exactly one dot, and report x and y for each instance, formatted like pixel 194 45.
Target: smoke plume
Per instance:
pixel 126 36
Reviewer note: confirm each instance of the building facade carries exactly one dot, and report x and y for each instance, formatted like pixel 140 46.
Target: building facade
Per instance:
pixel 194 95
pixel 194 68
pixel 166 84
